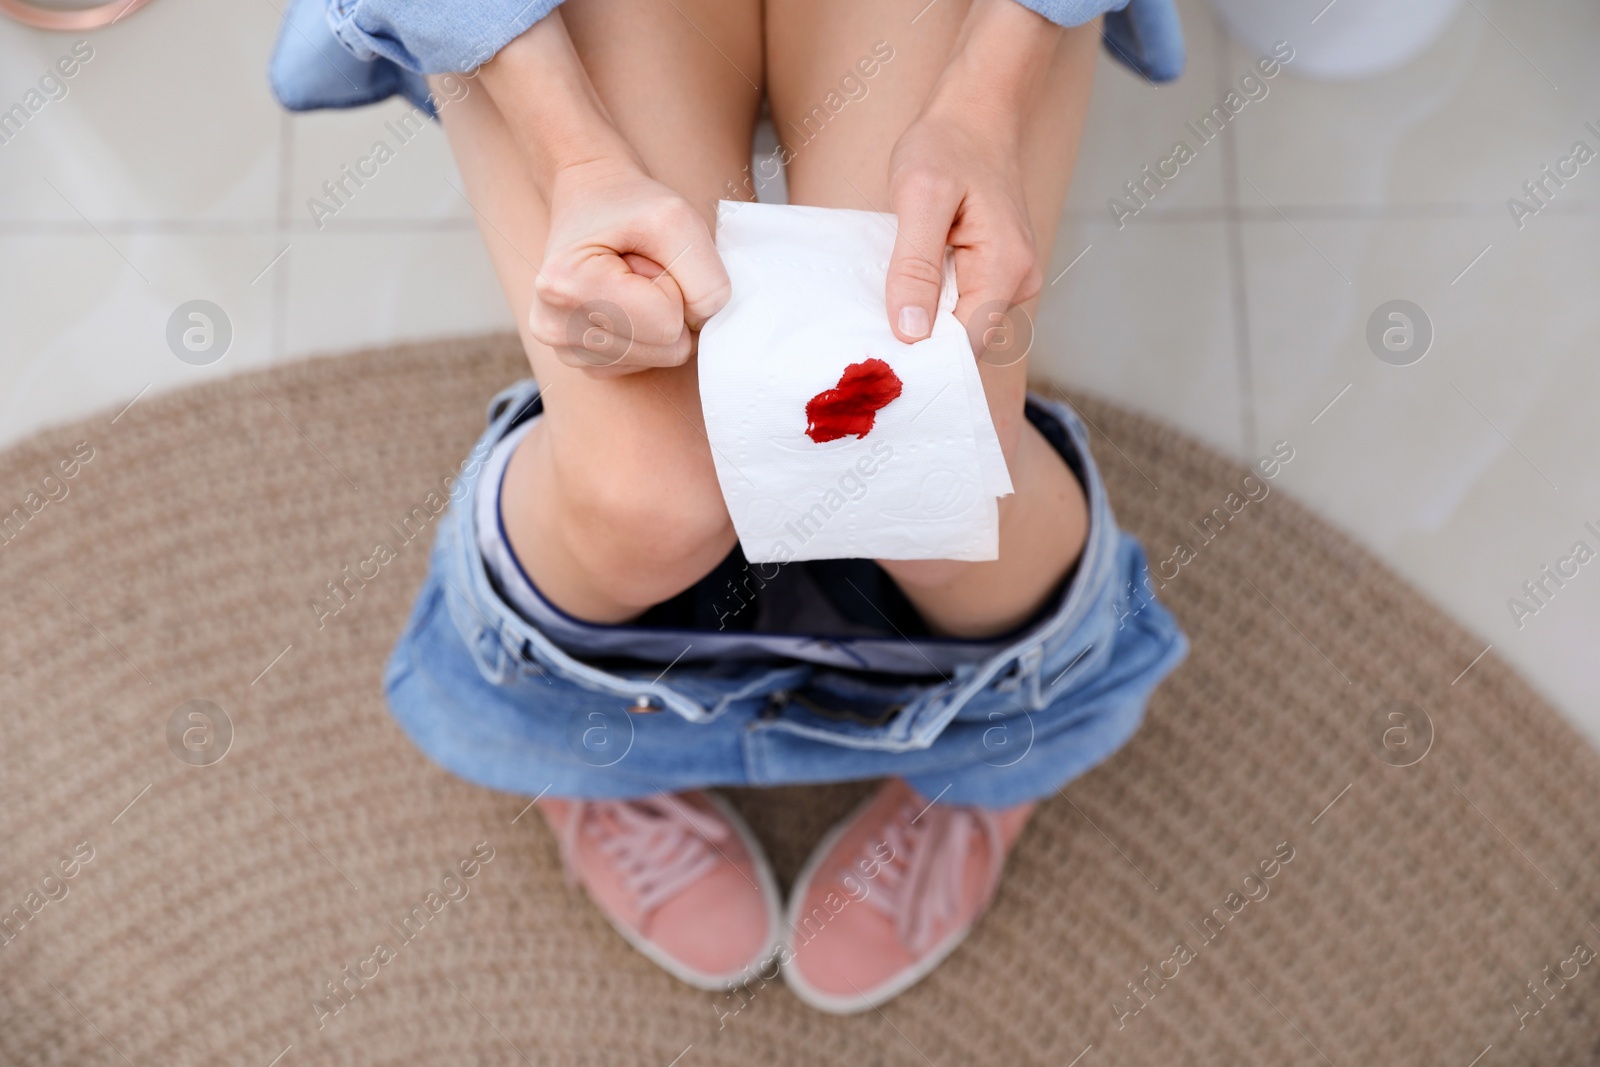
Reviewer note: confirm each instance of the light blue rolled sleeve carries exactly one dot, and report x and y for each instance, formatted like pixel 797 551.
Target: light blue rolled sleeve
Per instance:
pixel 1146 37
pixel 1073 12
pixel 432 38
pixel 1143 35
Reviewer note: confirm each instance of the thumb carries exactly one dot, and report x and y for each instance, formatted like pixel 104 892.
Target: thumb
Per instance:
pixel 642 265
pixel 917 265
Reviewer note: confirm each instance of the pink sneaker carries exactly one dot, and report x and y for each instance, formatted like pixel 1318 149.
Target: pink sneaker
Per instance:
pixel 681 877
pixel 889 893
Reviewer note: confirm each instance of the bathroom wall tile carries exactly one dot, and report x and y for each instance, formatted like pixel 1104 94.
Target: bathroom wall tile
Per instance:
pixel 359 289
pixel 83 319
pixel 1145 318
pixel 170 120
pixel 1501 94
pixel 1134 123
pixel 1467 470
pixel 411 177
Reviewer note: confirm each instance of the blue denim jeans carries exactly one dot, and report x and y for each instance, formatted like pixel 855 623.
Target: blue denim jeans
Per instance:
pixel 492 698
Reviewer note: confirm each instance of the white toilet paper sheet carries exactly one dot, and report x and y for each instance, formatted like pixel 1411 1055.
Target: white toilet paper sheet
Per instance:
pixel 808 303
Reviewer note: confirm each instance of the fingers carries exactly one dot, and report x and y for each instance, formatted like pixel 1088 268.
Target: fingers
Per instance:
pixel 632 297
pixel 594 338
pixel 925 204
pixel 994 279
pixel 996 265
pixel 602 312
pixel 677 238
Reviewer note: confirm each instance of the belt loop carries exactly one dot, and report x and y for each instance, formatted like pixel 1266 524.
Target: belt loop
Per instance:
pixel 1028 665
pixel 490 651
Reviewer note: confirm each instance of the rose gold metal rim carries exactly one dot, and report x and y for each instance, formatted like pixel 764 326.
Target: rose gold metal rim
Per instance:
pixel 86 18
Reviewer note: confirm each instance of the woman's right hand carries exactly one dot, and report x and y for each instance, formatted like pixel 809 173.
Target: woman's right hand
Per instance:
pixel 630 271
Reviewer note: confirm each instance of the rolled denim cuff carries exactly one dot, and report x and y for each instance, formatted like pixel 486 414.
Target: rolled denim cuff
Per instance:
pixel 432 38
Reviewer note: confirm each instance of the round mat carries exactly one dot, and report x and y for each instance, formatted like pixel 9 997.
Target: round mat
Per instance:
pixel 1327 845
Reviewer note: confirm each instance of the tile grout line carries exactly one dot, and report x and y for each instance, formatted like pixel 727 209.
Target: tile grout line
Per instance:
pixel 1236 266
pixel 1332 212
pixel 1093 217
pixel 205 227
pixel 280 280
pixel 285 168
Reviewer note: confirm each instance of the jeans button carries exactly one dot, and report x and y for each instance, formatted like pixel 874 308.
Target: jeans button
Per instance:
pixel 774 705
pixel 644 705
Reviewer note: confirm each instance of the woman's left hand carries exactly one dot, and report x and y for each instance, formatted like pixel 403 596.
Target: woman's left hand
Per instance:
pixel 955 177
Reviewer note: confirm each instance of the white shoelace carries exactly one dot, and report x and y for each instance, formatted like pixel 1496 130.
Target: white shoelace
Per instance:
pixel 920 887
pixel 659 845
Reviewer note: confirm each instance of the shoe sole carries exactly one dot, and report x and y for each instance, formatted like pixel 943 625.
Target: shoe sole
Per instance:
pixel 863 1001
pixel 769 892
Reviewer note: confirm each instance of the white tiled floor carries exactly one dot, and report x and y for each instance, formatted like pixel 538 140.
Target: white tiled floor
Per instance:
pixel 1235 305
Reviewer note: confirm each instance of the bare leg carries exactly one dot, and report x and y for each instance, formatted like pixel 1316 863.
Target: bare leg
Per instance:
pixel 612 502
pixel 811 45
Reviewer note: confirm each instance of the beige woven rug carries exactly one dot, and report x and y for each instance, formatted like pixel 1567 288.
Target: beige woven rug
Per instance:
pixel 208 907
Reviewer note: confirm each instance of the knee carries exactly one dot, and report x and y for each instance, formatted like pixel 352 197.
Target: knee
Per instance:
pixel 647 530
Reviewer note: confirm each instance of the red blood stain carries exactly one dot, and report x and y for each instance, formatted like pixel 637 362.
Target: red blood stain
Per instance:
pixel 851 406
